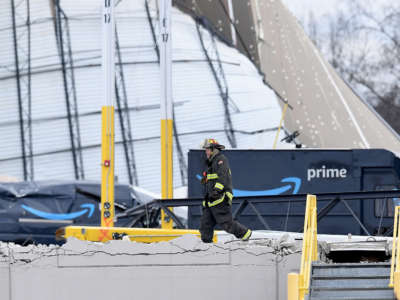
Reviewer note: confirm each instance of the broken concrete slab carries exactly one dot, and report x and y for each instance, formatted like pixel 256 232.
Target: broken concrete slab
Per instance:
pixel 179 269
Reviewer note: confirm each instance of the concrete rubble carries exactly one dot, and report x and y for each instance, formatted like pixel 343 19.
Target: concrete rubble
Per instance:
pixel 184 268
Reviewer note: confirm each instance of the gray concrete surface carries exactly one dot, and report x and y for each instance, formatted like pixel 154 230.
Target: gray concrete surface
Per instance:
pixel 184 268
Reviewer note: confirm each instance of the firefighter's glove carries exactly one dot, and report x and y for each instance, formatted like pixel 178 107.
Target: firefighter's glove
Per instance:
pixel 204 178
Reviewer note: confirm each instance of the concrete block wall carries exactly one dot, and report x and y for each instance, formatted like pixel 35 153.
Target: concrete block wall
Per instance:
pixel 184 268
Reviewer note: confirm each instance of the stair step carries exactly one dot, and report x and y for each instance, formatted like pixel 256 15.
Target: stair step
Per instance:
pixel 351 270
pixel 381 288
pixel 324 298
pixel 340 265
pixel 326 277
pixel 341 283
pixel 351 281
pixel 350 298
pixel 352 294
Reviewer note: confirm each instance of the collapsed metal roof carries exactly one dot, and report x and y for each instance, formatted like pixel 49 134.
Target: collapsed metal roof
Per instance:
pixel 50 74
pixel 326 112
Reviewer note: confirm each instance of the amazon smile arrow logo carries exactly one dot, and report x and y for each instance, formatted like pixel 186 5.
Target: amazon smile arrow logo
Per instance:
pixel 87 208
pixel 295 182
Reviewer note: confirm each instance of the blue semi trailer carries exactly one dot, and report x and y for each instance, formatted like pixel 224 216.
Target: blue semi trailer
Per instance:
pixel 31 212
pixel 301 171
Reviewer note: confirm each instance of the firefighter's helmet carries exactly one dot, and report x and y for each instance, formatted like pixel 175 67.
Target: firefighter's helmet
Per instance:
pixel 213 144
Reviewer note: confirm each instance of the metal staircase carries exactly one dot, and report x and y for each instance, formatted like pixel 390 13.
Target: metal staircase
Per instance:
pixel 350 281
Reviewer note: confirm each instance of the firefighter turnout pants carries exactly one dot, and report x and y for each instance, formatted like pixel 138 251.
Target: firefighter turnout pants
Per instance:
pixel 221 215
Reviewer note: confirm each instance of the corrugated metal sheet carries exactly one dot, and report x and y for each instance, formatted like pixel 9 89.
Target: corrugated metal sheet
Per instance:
pixel 12 167
pixel 326 111
pixel 198 106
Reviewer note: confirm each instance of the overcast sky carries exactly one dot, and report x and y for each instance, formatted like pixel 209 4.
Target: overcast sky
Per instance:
pixel 320 8
pixel 301 8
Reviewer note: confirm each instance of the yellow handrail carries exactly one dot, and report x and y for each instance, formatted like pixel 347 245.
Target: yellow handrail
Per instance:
pixel 298 284
pixel 394 268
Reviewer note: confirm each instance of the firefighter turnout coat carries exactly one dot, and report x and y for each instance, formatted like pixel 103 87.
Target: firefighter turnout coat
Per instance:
pixel 217 202
pixel 218 181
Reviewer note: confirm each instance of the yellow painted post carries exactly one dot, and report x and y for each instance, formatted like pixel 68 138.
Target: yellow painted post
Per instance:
pixel 397 252
pixel 396 255
pixel 315 240
pixel 107 115
pixel 395 230
pixel 166 108
pixel 307 268
pixel 309 250
pixel 393 248
pixel 304 253
pixel 293 286
pixel 396 283
pixel 304 246
pixel 107 167
pixel 166 167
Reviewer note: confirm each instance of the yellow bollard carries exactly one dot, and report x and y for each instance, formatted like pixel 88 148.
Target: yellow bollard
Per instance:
pixel 293 286
pixel 396 283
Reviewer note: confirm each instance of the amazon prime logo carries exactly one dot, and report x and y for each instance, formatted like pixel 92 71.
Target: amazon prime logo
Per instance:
pixel 324 172
pixel 86 208
pixel 289 183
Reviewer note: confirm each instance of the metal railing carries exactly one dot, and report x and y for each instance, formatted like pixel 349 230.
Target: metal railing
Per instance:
pixel 298 284
pixel 328 201
pixel 394 269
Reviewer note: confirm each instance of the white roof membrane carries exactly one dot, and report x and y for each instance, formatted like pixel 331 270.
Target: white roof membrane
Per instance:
pixel 199 109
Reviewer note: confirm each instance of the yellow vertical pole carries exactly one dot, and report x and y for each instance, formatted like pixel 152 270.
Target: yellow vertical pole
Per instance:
pixel 394 244
pixel 304 246
pixel 107 167
pixel 166 108
pixel 107 115
pixel 315 240
pixel 280 125
pixel 396 283
pixel 303 265
pixel 166 167
pixel 293 286
pixel 397 252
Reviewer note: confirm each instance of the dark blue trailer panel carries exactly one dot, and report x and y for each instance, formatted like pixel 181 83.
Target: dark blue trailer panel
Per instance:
pixel 285 172
pixel 33 211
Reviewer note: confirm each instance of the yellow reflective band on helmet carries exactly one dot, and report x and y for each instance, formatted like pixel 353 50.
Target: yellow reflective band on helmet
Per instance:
pixel 212 176
pixel 219 186
pixel 247 234
pixel 216 202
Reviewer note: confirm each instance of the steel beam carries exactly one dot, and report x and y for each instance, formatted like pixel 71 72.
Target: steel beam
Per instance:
pixel 123 113
pixel 214 61
pixel 67 64
pixel 21 25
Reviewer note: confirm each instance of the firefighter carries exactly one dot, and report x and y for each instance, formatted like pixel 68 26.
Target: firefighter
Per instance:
pixel 217 203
